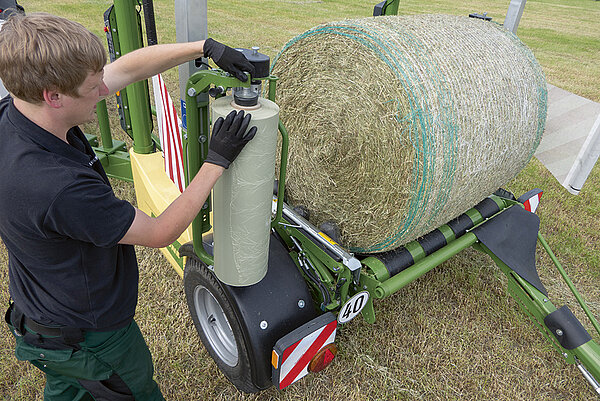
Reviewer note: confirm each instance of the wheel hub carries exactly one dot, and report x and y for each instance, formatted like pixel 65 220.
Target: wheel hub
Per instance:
pixel 215 325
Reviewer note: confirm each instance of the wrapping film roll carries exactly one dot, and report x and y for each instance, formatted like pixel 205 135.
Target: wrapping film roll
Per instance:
pixel 242 200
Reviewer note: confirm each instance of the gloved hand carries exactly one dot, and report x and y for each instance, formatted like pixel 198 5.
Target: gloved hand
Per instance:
pixel 228 59
pixel 228 138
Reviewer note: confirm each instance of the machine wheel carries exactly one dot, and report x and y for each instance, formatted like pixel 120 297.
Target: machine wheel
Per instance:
pixel 218 325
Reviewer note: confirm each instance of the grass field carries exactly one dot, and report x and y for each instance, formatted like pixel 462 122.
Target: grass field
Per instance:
pixel 454 334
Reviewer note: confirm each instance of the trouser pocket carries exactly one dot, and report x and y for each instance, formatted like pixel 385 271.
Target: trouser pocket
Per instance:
pixel 68 362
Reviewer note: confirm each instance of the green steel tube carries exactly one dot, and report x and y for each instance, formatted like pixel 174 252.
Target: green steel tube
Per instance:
pixel 272 86
pixel 589 355
pixel 391 7
pixel 129 39
pixel 417 270
pixel 282 172
pixel 197 135
pixel 567 280
pixel 416 250
pixel 198 126
pixel 104 125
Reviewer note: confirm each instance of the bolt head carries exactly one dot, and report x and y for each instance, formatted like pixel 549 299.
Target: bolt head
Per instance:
pixel 559 332
pixel 192 92
pixel 301 303
pixel 264 325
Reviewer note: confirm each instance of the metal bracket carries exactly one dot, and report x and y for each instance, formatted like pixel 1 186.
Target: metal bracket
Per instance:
pixel 348 259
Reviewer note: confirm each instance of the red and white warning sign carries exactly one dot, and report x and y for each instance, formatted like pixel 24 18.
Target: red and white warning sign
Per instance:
pixel 169 132
pixel 307 345
pixel 531 200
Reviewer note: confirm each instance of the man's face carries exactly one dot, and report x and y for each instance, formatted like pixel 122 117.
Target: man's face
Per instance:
pixel 82 109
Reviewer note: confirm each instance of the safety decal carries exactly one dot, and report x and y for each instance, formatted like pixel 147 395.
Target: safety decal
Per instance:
pixel 169 132
pixel 292 362
pixel 531 200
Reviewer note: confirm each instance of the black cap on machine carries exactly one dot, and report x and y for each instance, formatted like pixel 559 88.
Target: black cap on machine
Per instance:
pixel 249 96
pixel 261 62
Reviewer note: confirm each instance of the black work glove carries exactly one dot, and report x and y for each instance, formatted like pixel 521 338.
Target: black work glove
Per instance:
pixel 228 59
pixel 228 138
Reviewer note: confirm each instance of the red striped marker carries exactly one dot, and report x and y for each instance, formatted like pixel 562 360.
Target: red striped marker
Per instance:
pixel 169 132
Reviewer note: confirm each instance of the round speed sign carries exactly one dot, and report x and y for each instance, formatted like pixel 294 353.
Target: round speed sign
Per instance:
pixel 353 307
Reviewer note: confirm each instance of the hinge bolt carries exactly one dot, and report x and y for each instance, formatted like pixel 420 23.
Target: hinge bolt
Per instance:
pixel 192 92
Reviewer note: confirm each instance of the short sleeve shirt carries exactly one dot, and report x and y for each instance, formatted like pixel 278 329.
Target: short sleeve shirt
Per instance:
pixel 61 223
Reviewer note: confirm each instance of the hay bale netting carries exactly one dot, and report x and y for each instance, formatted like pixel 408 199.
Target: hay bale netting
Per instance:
pixel 399 124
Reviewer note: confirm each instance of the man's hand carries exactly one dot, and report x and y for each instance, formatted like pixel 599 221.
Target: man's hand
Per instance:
pixel 228 138
pixel 228 59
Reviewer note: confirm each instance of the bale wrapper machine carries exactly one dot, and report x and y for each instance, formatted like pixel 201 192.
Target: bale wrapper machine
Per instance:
pixel 283 326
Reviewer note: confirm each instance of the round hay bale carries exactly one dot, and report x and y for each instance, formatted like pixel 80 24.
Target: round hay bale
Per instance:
pixel 399 124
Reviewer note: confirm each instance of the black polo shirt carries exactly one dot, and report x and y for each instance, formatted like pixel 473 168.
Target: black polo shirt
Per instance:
pixel 61 224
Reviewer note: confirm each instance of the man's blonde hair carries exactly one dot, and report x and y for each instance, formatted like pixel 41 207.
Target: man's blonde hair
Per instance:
pixel 44 52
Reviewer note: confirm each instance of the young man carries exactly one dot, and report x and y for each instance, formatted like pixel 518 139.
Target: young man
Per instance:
pixel 72 267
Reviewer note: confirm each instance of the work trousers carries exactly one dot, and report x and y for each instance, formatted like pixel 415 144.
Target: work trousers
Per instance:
pixel 111 365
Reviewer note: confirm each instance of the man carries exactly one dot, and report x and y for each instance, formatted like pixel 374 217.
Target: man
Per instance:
pixel 72 267
pixel 7 7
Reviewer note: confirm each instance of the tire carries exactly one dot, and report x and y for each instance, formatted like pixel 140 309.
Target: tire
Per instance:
pixel 218 325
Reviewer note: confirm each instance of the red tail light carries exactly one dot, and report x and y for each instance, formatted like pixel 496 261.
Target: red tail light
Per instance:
pixel 323 358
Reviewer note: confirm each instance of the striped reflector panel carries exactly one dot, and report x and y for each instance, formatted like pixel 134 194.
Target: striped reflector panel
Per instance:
pixel 169 132
pixel 295 358
pixel 531 201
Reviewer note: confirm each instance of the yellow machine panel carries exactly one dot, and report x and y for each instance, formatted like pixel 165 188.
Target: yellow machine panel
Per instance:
pixel 155 191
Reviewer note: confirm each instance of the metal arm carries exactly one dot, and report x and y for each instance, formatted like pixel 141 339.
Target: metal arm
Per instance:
pixel 513 15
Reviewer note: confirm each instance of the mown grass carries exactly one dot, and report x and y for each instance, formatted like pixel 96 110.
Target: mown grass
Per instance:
pixel 454 334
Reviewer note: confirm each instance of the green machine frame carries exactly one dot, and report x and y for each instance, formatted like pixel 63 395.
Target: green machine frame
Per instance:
pixel 333 275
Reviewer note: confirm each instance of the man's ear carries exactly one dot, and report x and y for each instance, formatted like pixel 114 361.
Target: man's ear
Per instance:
pixel 52 98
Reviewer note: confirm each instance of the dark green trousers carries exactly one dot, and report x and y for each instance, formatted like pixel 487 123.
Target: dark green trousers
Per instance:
pixel 114 365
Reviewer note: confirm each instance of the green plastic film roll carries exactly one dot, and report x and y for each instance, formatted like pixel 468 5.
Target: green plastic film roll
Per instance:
pixel 243 198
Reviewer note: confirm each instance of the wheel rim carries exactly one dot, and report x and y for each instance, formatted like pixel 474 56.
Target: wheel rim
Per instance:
pixel 215 325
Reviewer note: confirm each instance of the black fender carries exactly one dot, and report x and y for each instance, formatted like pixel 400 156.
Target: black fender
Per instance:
pixel 270 309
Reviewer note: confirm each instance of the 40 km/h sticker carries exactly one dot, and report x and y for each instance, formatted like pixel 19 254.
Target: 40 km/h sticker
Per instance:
pixel 353 307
